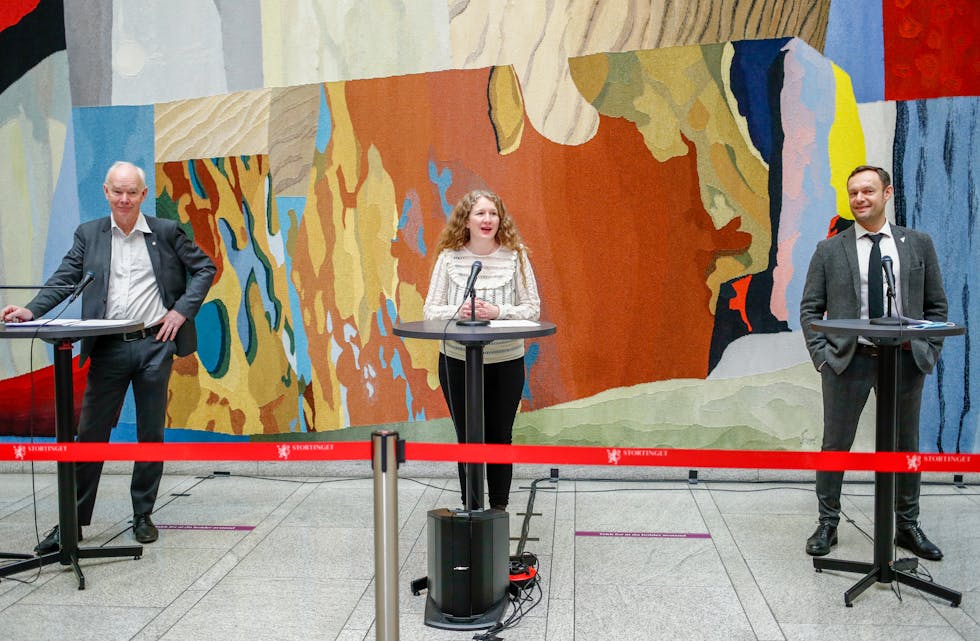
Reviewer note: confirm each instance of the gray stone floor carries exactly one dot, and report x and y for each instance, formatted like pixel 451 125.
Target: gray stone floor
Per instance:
pixel 285 557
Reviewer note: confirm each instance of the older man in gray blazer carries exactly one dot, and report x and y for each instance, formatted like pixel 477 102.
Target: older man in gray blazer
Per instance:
pixel 837 287
pixel 146 269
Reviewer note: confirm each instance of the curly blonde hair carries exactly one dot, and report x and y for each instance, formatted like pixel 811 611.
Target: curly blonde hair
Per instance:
pixel 456 234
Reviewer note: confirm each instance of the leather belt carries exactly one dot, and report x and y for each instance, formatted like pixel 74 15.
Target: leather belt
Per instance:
pixel 139 334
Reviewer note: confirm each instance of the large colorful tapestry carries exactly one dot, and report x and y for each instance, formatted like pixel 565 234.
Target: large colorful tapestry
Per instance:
pixel 670 183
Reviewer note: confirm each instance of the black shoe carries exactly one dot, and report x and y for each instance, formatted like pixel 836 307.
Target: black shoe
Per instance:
pixel 143 529
pixel 914 539
pixel 822 539
pixel 52 541
pixel 502 508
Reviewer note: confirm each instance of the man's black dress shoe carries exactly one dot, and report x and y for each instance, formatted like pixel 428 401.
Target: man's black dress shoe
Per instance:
pixel 821 540
pixel 914 539
pixel 52 541
pixel 143 529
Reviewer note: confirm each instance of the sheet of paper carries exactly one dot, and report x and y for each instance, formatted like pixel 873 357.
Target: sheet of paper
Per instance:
pixel 930 325
pixel 72 322
pixel 514 323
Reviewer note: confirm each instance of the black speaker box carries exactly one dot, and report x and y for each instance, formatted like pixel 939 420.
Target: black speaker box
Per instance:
pixel 469 555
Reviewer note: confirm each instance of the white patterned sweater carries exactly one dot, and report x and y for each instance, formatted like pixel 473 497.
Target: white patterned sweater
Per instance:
pixel 500 282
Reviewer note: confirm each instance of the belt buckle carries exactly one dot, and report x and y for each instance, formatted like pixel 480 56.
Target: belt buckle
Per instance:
pixel 131 337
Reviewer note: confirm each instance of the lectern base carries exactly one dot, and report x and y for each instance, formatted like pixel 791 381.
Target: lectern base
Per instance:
pixel 71 557
pixel 875 574
pixel 468 568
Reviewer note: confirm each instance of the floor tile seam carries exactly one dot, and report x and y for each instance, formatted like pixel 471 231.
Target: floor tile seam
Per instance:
pixel 942 608
pixel 548 618
pixel 554 508
pixel 143 635
pixel 29 499
pixel 175 493
pixel 424 499
pixel 726 560
pixel 365 593
pixel 570 562
pixel 17 505
pixel 418 534
pixel 240 551
pixel 92 606
pixel 300 488
pixel 321 526
pixel 954 625
pixel 972 498
pixel 29 588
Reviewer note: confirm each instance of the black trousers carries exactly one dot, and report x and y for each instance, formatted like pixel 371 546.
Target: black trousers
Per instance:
pixel 115 365
pixel 503 384
pixel 844 398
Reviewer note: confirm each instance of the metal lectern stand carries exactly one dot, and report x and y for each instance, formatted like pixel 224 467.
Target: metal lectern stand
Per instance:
pixel 888 339
pixel 445 608
pixel 61 336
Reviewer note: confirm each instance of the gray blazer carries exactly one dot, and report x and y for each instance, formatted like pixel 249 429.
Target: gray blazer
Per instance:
pixel 183 272
pixel 833 287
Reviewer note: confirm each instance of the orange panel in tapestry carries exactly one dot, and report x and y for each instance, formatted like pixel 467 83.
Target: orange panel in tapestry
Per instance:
pixel 604 222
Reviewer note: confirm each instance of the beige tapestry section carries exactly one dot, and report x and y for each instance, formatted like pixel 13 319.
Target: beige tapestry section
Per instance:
pixel 277 122
pixel 294 113
pixel 538 38
pixel 235 124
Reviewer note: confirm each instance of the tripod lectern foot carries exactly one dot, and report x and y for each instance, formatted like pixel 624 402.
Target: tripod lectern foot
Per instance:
pixel 934 589
pixel 866 582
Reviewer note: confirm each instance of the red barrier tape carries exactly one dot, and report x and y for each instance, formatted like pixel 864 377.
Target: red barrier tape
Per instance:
pixel 487 453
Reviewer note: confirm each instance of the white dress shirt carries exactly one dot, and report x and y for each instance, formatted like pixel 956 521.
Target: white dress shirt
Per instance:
pixel 133 293
pixel 887 247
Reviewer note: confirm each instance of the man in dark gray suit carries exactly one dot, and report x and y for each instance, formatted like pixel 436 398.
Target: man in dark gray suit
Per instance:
pixel 837 285
pixel 146 269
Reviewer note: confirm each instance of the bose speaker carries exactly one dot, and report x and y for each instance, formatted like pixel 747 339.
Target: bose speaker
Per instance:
pixel 468 567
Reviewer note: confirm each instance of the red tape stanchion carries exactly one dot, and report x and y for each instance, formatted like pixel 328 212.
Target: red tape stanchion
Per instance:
pixel 489 453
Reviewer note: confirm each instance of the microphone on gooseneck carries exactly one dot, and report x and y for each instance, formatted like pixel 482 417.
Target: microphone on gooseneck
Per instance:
pixel 471 281
pixel 886 265
pixel 82 284
pixel 470 292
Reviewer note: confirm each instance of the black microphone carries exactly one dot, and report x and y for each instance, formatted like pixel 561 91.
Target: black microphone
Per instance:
pixel 886 265
pixel 888 319
pixel 82 284
pixel 471 281
pixel 470 292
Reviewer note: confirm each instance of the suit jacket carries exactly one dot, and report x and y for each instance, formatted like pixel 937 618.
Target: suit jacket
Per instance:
pixel 183 274
pixel 833 287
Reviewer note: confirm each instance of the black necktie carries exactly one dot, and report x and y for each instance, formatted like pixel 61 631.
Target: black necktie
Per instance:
pixel 876 286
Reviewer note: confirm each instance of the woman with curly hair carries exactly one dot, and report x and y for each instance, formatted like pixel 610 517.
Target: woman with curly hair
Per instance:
pixel 480 229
